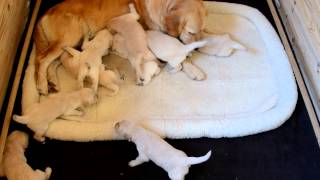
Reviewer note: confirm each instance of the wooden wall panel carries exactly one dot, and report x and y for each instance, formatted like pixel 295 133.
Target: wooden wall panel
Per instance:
pixel 302 21
pixel 13 16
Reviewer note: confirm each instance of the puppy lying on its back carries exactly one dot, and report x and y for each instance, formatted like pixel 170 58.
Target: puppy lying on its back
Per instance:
pixel 14 162
pixel 39 115
pixel 90 59
pixel 151 147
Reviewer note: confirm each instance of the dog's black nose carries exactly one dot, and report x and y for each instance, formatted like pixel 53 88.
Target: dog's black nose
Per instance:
pixel 141 79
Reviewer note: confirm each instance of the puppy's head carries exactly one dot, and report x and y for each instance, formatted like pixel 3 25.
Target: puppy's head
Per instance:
pixel 123 128
pixel 19 137
pixel 149 70
pixel 185 20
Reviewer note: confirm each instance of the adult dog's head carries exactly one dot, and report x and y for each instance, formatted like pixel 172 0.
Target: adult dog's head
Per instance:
pixel 185 19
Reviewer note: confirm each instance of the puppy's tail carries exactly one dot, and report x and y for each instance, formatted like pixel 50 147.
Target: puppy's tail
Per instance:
pixel 48 172
pixel 20 119
pixel 197 160
pixel 192 46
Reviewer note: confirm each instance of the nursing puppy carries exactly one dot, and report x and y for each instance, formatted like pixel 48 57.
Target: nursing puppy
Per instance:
pixel 131 43
pixel 39 115
pixel 109 79
pixel 151 147
pixel 90 59
pixel 14 162
pixel 66 23
pixel 170 50
pixel 220 45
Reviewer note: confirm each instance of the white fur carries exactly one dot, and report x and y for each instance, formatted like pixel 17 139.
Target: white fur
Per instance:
pixel 220 45
pixel 170 49
pixel 130 42
pixel 109 79
pixel 14 162
pixel 152 147
pixel 90 59
pixel 39 115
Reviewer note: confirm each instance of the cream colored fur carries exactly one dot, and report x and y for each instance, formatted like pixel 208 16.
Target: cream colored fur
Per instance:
pixel 152 147
pixel 170 49
pixel 14 162
pixel 110 80
pixel 131 43
pixel 90 59
pixel 39 115
pixel 220 45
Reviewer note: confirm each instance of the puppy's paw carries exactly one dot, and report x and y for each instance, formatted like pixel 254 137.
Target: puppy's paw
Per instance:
pixel 173 70
pixel 133 163
pixel 140 81
pixel 193 72
pixel 39 138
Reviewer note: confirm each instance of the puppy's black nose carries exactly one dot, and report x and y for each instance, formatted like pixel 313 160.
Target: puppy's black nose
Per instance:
pixel 141 79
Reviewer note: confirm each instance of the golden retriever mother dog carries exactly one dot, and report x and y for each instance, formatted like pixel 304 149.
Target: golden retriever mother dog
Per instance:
pixel 68 22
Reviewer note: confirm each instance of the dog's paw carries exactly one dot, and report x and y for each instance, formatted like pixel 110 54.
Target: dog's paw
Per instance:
pixel 141 81
pixel 193 72
pixel 40 138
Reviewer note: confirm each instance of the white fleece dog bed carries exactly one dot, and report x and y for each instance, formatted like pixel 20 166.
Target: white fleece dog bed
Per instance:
pixel 247 93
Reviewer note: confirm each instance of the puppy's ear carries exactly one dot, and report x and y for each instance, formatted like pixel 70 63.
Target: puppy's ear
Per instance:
pixel 117 126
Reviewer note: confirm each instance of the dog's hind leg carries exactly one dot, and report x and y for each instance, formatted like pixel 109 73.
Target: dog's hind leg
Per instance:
pixel 53 76
pixel 52 53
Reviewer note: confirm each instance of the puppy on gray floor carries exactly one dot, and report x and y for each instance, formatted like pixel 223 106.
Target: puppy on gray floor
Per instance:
pixel 14 164
pixel 152 147
pixel 39 115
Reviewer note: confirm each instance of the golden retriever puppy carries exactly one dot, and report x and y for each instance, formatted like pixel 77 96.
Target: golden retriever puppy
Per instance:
pixel 152 147
pixel 170 50
pixel 131 43
pixel 90 59
pixel 39 115
pixel 220 45
pixel 110 80
pixel 14 162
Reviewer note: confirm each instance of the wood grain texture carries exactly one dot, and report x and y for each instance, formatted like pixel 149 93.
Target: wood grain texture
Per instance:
pixel 302 22
pixel 17 78
pixel 297 72
pixel 13 17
